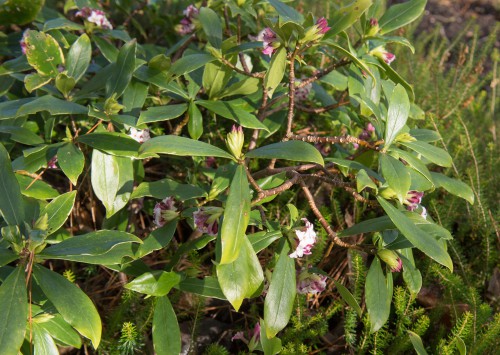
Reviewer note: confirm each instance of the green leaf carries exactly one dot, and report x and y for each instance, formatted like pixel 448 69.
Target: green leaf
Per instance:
pixel 53 105
pixel 166 187
pixel 462 348
pixel 233 111
pixel 400 15
pixel 414 162
pixel 434 154
pixel 71 161
pixel 215 78
pixel 236 217
pixel 425 135
pixel 377 296
pixel 109 51
pixel 195 123
pixel 43 342
pixel 243 277
pixel 397 114
pixel 269 346
pixel 58 211
pixel 73 305
pixel 262 240
pixel 7 256
pixel 161 113
pixel 158 239
pixel 363 181
pixel 43 53
pixel 155 283
pixel 423 241
pixel 346 16
pixel 176 145
pixel 411 275
pixel 79 56
pixel 113 143
pixel 35 81
pixel 39 189
pixel 246 86
pixel 11 202
pixel 135 95
pixel 8 109
pixel 417 343
pixel 351 56
pixel 13 312
pixel 287 13
pixel 122 71
pixel 65 84
pixel 212 26
pixel 166 332
pixel 396 175
pixel 105 178
pixel 454 186
pixel 395 77
pixel 278 305
pixel 92 247
pixel 21 135
pixel 276 71
pixel 206 287
pixel 191 62
pixel 61 24
pixel 125 185
pixel 60 330
pixel 348 298
pixel 289 150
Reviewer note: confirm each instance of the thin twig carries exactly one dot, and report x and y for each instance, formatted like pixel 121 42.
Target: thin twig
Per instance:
pixel 336 139
pixel 322 109
pixel 321 73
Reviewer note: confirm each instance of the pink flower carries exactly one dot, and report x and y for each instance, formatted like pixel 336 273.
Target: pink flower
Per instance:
pixel 391 258
pixel 206 219
pixel 373 22
pixel 140 135
pixel 52 163
pixel 381 53
pixel 322 25
pixel 22 42
pixel 310 283
pixel 254 336
pixel 270 39
pixel 302 93
pixel 97 17
pixel 413 200
pixel 186 24
pixel 370 128
pixel 165 211
pixel 210 162
pixel 307 238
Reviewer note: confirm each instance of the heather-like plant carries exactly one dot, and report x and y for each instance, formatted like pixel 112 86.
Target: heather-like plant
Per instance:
pixel 211 130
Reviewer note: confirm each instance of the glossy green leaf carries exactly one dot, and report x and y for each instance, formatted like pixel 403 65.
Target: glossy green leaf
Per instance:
pixel 398 79
pixel 262 240
pixel 434 154
pixel 158 239
pixel 276 71
pixel 65 84
pixel 13 312
pixel 236 217
pixel 21 135
pixel 35 81
pixel 51 104
pixel 462 348
pixel 269 346
pixel 71 161
pixel 105 178
pixel 215 78
pixel 125 185
pixel 423 241
pixel 122 70
pixel 454 186
pixel 347 15
pixel 243 277
pixel 287 13
pixel 417 343
pixel 206 287
pixel 397 114
pixel 377 296
pixel 79 56
pixel 43 53
pixel 8 109
pixel 289 150
pixel 425 135
pixel 166 332
pixel 233 111
pixel 191 62
pixel 38 189
pixel 114 143
pixel 58 211
pixel 43 342
pixel 348 298
pixel 354 165
pixel 195 123
pixel 7 256
pixel 359 63
pixel 414 162
pixel 73 305
pixel 134 95
pixel 212 26
pixel 166 187
pixel 61 23
pixel 161 113
pixel 396 175
pixel 176 145
pixel 155 283
pixel 400 15
pixel 109 51
pixel 11 202
pixel 246 86
pixel 60 330
pixel 363 181
pixel 411 275
pixel 278 305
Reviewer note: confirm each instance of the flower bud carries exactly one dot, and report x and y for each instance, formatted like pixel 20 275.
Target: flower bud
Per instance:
pixel 381 53
pixel 374 27
pixel 140 135
pixel 206 219
pixel 165 211
pixel 235 140
pixel 391 258
pixel 310 283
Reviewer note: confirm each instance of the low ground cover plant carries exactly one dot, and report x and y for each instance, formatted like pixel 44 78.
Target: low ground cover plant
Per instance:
pixel 206 149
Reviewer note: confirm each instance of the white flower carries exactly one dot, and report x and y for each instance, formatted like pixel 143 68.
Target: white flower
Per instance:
pixel 95 16
pixel 140 135
pixel 307 238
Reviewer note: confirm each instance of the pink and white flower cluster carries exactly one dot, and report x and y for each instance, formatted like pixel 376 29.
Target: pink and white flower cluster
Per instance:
pixel 310 283
pixel 413 201
pixel 307 238
pixel 140 135
pixel 97 17
pixel 22 42
pixel 301 93
pixel 187 26
pixel 206 219
pixel 165 211
pixel 365 134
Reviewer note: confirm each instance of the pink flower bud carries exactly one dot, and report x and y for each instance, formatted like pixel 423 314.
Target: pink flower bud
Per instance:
pixel 322 25
pixel 165 211
pixel 97 17
pixel 206 219
pixel 52 163
pixel 310 283
pixel 391 258
pixel 382 53
pixel 270 41
pixel 140 135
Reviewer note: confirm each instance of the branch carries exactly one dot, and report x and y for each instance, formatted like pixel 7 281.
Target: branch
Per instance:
pixel 336 139
pixel 321 73
pixel 322 109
